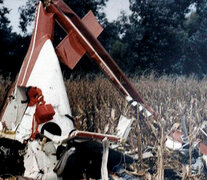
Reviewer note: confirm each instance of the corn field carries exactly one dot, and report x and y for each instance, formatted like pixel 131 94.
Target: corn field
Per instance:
pixel 96 105
pixel 95 102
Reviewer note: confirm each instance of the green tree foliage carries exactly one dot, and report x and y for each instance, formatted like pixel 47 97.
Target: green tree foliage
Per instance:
pixel 27 14
pixel 161 37
pixel 166 36
pixel 5 31
pixel 12 46
pixel 81 7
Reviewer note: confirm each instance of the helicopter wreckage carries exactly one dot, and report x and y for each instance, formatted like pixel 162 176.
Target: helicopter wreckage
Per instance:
pixel 38 139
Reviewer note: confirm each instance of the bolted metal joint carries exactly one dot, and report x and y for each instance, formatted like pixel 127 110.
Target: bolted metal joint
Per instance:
pixel 47 3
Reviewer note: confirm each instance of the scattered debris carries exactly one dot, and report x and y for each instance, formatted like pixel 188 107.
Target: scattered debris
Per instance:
pixel 38 137
pixel 38 117
pixel 191 155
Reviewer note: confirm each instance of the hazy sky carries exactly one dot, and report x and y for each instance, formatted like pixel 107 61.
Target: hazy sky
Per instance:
pixel 113 9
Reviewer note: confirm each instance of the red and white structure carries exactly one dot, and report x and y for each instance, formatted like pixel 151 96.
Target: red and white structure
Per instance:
pixel 41 69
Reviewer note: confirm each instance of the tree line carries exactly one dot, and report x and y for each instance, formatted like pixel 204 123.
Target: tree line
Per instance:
pixel 162 36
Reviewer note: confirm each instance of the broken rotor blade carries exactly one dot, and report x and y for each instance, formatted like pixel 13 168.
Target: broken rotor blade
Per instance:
pixel 70 49
pixel 95 51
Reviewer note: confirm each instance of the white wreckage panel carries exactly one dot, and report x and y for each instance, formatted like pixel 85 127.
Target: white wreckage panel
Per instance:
pixel 15 108
pixel 171 144
pixel 47 76
pixel 24 129
pixel 53 88
pixel 40 156
pixel 124 127
pixel 40 160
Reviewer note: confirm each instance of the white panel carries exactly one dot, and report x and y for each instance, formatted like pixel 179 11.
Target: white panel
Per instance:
pixel 10 114
pixel 25 128
pixel 124 127
pixel 20 96
pixel 47 76
pixel 15 109
pixel 36 160
pixel 174 145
